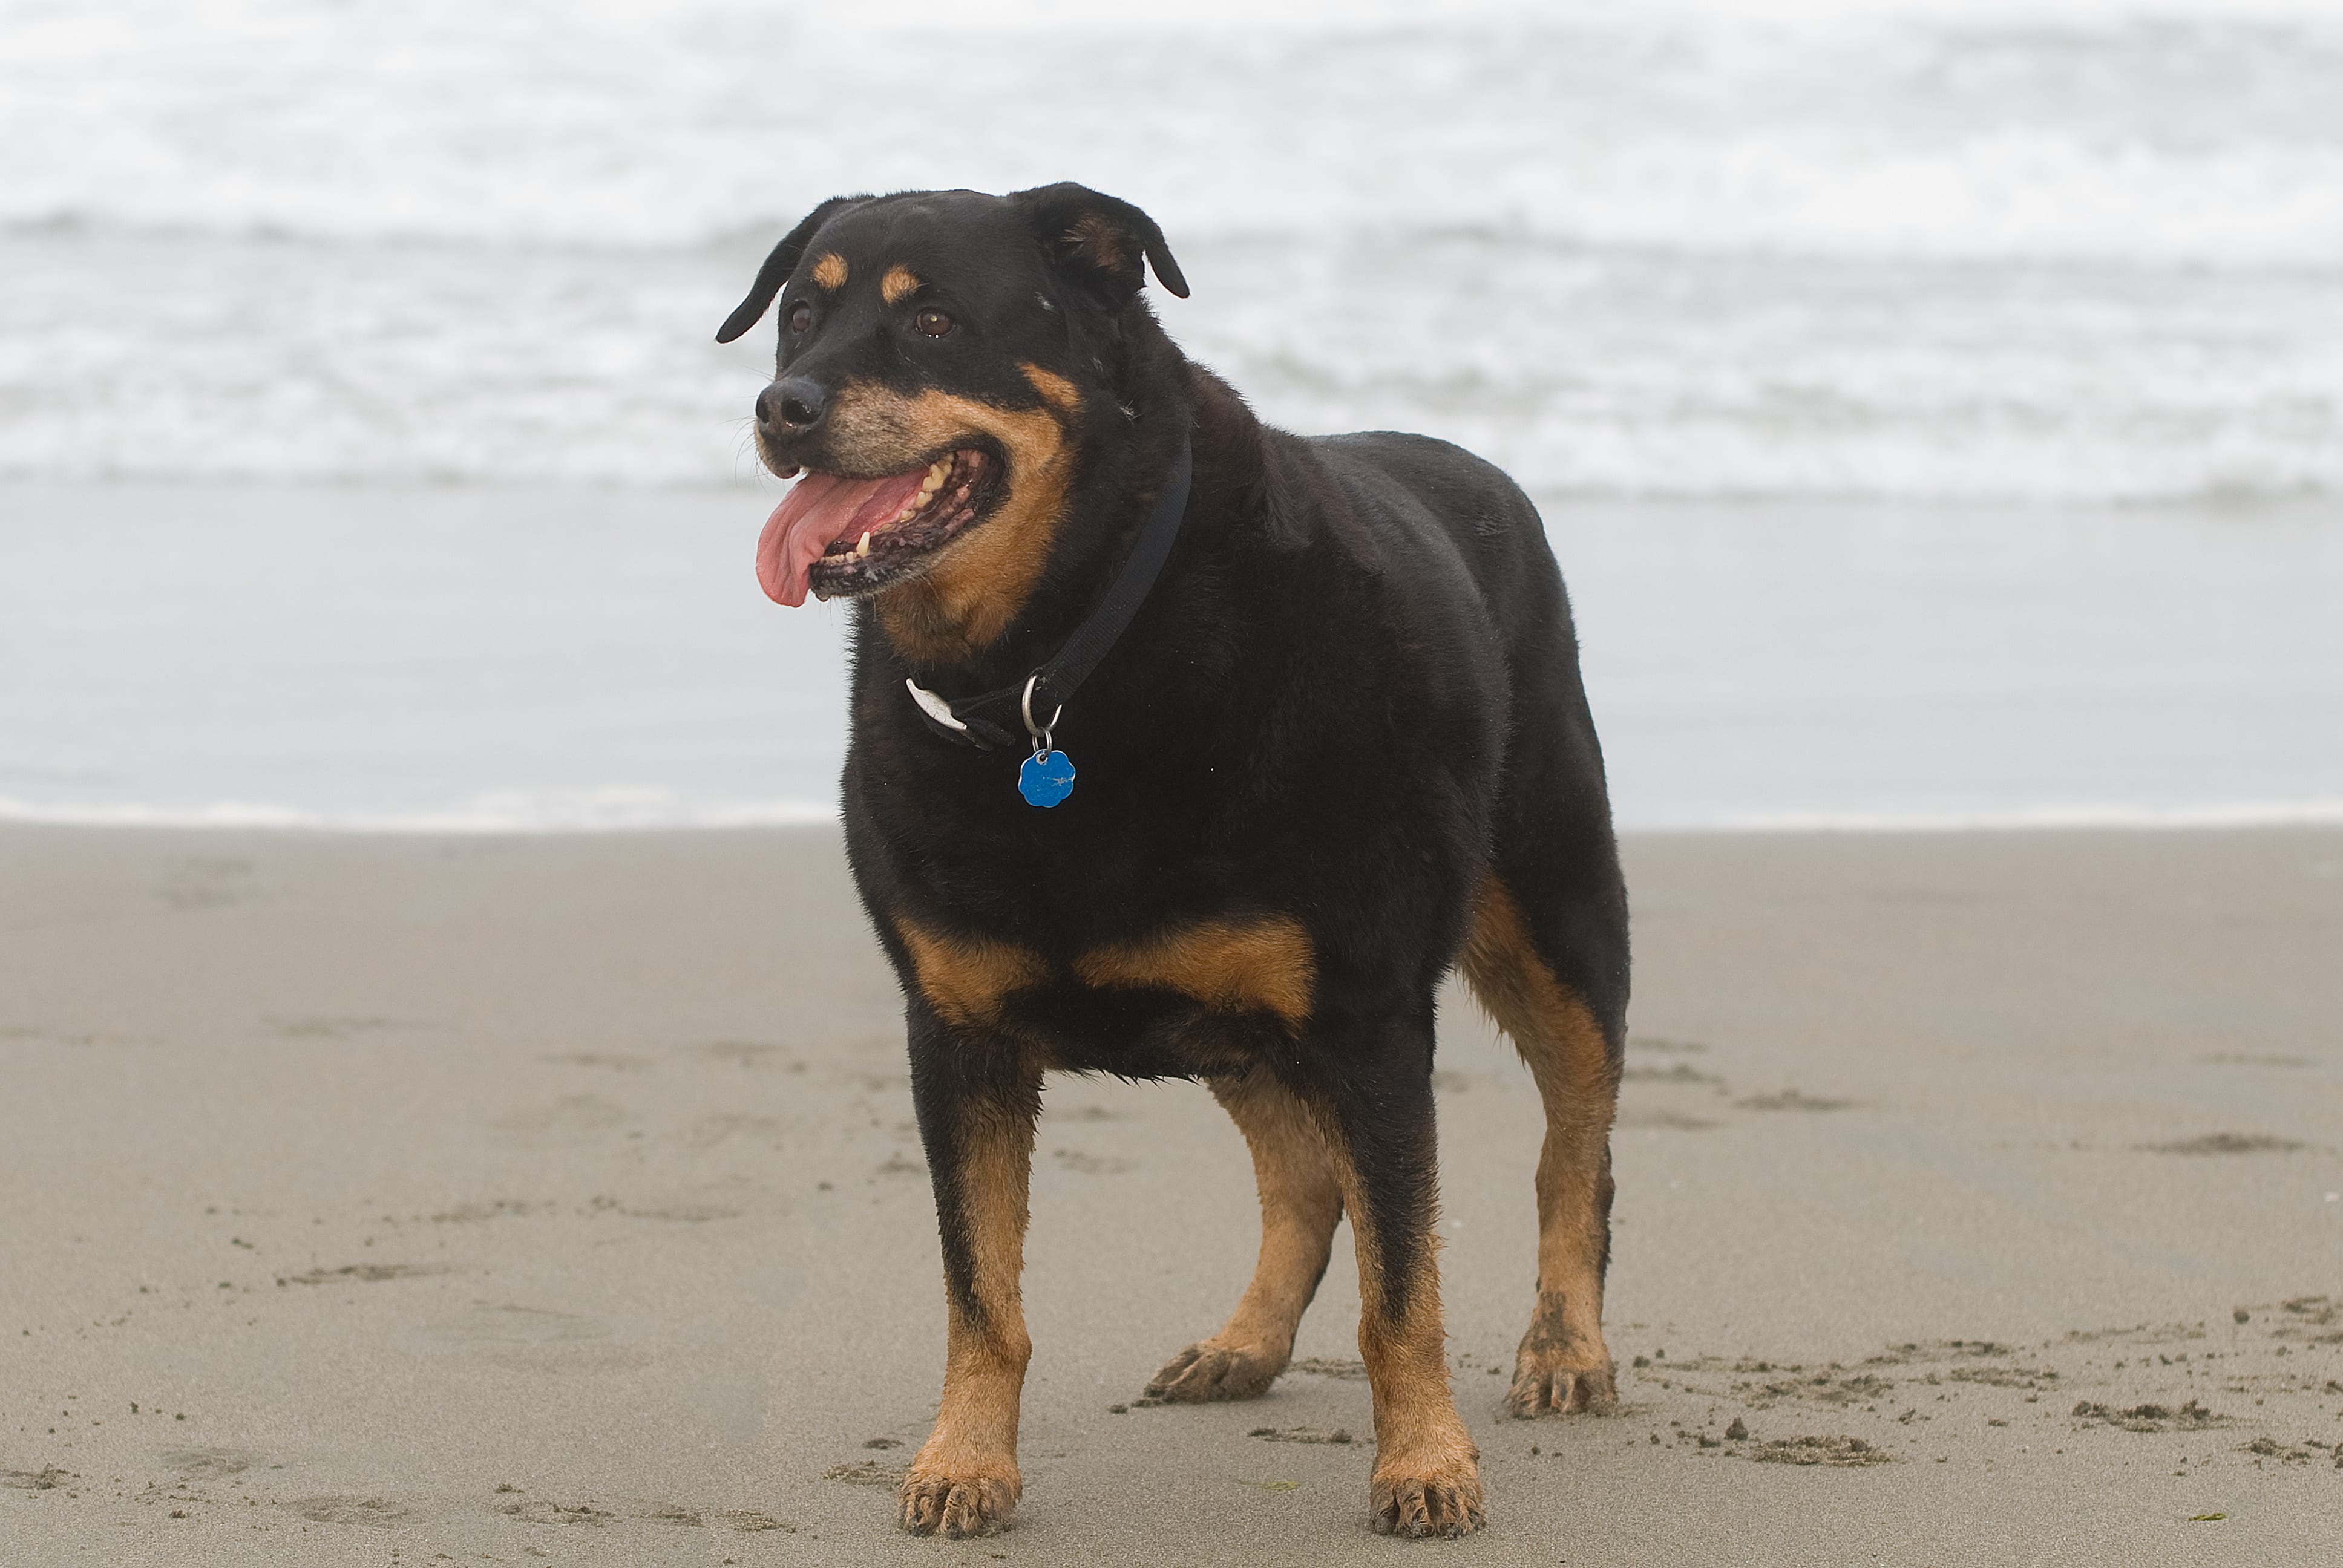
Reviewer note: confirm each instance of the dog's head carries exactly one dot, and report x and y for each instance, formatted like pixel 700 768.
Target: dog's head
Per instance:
pixel 940 366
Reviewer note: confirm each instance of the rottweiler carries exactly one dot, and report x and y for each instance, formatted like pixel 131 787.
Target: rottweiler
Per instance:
pixel 1186 748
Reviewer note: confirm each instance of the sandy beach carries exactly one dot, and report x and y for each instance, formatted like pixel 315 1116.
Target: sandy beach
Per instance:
pixel 411 1199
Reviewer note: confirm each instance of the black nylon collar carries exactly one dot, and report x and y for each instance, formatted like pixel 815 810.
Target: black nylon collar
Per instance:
pixel 996 718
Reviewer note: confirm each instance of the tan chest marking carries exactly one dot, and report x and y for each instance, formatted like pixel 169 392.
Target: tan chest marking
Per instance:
pixel 966 979
pixel 829 271
pixel 1265 962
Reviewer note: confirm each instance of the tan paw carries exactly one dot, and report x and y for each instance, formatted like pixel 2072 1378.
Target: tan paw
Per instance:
pixel 1209 1371
pixel 1442 1498
pixel 935 1503
pixel 1543 1386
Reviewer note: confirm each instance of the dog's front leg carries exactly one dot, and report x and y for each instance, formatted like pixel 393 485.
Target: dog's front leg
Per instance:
pixel 1376 1083
pixel 977 1097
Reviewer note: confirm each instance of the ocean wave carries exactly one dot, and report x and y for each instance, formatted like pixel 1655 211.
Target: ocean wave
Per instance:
pixel 2084 250
pixel 1589 371
pixel 2210 133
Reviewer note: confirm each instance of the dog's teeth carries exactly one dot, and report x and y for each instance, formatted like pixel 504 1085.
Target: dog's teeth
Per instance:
pixel 864 547
pixel 937 472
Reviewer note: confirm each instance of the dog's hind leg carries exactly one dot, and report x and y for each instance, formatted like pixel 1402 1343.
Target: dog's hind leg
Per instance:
pixel 1299 1204
pixel 977 1102
pixel 1573 1053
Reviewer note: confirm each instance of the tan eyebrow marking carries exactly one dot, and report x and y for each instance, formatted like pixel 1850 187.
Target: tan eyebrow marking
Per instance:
pixel 899 283
pixel 830 272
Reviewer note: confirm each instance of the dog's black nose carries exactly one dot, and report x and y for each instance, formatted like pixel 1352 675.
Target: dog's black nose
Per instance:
pixel 792 406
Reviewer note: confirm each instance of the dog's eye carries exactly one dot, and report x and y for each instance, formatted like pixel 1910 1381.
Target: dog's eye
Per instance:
pixel 934 323
pixel 801 318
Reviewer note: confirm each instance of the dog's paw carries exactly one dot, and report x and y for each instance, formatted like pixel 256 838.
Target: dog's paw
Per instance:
pixel 1442 1497
pixel 1209 1371
pixel 1543 1385
pixel 958 1505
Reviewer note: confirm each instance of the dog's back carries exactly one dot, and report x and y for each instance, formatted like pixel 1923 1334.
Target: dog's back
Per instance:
pixel 1550 840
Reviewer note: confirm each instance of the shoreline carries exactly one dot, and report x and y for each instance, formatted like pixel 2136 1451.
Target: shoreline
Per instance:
pixel 577 656
pixel 789 817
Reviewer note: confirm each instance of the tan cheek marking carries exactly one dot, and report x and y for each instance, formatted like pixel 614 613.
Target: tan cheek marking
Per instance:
pixel 899 283
pixel 979 583
pixel 1266 963
pixel 1056 389
pixel 829 271
pixel 966 979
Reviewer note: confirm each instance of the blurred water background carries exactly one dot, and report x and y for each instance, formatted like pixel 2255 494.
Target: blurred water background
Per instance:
pixel 1937 408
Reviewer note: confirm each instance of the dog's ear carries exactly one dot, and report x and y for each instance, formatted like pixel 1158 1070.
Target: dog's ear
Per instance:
pixel 1097 241
pixel 778 265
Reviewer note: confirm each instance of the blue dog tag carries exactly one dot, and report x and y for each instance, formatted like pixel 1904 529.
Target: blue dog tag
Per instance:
pixel 1047 778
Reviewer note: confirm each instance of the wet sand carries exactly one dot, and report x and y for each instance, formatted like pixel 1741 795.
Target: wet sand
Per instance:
pixel 469 657
pixel 415 1199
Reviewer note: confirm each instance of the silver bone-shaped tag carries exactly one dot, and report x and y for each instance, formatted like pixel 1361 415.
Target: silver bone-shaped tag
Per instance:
pixel 935 706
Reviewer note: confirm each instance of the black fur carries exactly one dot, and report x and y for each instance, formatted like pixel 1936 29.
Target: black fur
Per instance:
pixel 780 262
pixel 1353 693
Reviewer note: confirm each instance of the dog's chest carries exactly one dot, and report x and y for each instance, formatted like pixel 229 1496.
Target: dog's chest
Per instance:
pixel 1133 930
pixel 1190 996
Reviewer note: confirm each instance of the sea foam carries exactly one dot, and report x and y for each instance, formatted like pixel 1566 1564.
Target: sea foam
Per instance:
pixel 2082 251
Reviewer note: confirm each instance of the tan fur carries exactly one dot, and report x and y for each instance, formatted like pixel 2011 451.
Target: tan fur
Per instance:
pixel 829 272
pixel 980 582
pixel 965 1479
pixel 1266 961
pixel 1300 1203
pixel 1562 1364
pixel 1053 386
pixel 965 979
pixel 897 284
pixel 1427 1475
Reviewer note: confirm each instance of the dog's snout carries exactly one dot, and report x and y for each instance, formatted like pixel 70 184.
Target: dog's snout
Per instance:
pixel 792 406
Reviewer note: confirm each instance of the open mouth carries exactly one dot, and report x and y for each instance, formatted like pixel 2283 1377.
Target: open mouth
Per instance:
pixel 839 537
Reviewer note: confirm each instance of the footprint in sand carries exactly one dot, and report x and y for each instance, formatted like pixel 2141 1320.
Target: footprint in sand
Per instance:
pixel 1792 1100
pixel 2225 1143
pixel 379 1511
pixel 209 1464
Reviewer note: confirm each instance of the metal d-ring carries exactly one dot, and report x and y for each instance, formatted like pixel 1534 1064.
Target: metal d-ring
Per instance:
pixel 1040 732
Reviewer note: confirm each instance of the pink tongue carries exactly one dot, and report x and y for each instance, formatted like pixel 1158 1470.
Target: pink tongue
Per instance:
pixel 819 510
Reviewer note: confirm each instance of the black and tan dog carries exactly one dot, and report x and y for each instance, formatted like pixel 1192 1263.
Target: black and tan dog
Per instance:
pixel 1341 747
